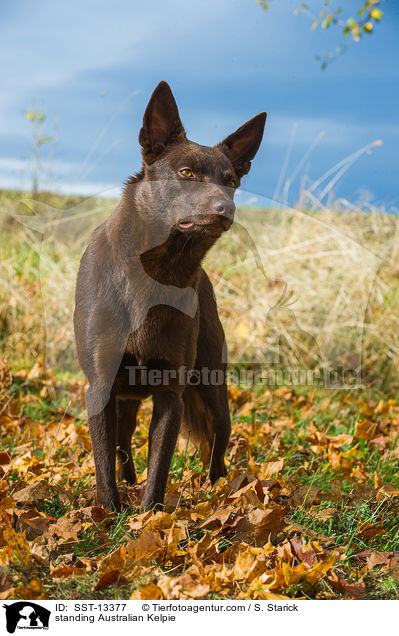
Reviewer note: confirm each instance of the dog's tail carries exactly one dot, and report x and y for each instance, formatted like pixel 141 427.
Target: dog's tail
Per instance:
pixel 196 416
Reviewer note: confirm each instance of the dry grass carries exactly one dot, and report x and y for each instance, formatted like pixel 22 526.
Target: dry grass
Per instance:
pixel 295 289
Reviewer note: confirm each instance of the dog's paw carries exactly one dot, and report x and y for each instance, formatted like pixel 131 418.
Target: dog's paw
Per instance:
pixel 109 501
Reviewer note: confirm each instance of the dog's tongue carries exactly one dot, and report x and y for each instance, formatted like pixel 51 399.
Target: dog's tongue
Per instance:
pixel 186 224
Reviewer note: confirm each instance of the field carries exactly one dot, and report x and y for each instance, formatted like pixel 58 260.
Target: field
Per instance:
pixel 310 505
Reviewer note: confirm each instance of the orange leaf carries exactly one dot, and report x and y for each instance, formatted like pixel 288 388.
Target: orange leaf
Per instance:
pixel 145 546
pixel 5 458
pixel 355 590
pixel 369 530
pixel 64 572
pixel 113 577
pixel 149 592
pixel 33 590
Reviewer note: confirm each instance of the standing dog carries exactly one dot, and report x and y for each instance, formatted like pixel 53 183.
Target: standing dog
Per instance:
pixel 145 311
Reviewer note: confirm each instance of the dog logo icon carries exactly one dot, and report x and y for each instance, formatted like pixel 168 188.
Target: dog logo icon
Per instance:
pixel 26 615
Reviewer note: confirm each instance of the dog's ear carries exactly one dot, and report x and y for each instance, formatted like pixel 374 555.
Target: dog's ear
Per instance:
pixel 242 145
pixel 161 123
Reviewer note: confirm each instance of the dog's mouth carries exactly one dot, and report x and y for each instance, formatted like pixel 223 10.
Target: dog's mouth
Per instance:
pixel 210 224
pixel 185 225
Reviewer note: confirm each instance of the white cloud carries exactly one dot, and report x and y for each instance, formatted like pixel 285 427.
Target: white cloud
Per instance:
pixel 15 175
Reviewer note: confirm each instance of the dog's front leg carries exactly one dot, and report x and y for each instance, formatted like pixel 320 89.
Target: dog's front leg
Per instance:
pixel 102 427
pixel 164 429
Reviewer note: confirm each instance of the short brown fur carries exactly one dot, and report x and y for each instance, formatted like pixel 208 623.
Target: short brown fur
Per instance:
pixel 143 299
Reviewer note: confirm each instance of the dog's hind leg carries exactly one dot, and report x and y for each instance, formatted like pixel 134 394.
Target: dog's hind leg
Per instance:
pixel 126 418
pixel 218 428
pixel 207 417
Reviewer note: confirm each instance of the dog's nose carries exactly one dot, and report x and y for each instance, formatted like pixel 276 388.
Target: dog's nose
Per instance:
pixel 225 207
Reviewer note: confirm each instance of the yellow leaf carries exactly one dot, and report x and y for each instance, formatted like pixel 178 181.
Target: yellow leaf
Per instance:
pixel 376 14
pixel 148 592
pixel 293 575
pixel 271 468
pixel 18 550
pixel 114 561
pixel 64 572
pixel 365 429
pixel 145 546
pixel 33 590
pixel 249 565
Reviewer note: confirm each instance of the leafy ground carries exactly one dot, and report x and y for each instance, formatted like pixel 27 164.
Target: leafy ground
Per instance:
pixel 309 508
pixel 310 505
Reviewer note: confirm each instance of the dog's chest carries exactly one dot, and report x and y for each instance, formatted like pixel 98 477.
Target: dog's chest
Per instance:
pixel 166 334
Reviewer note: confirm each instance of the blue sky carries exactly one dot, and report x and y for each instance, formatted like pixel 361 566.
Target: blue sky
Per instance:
pixel 92 66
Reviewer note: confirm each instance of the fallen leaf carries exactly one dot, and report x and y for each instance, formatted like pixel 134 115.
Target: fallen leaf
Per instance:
pixel 6 578
pixel 114 561
pixel 36 492
pixel 271 468
pixel 306 495
pixel 303 551
pixel 355 590
pixel 252 493
pixel 257 525
pixel 144 547
pixel 64 572
pixel 98 514
pixel 249 565
pixel 149 592
pixel 113 577
pixel 183 586
pixel 18 550
pixel 219 518
pixel 32 591
pixel 324 514
pixel 32 523
pixel 302 572
pixel 369 530
pixel 5 458
pixel 365 429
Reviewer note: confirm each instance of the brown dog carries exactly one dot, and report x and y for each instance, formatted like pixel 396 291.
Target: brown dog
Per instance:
pixel 146 321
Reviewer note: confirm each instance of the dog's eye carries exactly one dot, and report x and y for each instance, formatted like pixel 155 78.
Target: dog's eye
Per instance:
pixel 186 172
pixel 231 183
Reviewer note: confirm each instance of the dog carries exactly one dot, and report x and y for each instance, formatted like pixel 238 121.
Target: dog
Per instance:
pixel 146 321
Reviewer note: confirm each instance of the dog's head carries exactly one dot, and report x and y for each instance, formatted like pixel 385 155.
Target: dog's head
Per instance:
pixel 187 187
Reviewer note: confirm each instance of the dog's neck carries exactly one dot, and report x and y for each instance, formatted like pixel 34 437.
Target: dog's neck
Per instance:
pixel 178 260
pixel 170 257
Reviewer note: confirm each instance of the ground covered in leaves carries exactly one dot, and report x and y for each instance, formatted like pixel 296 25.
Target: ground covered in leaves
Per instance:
pixel 309 508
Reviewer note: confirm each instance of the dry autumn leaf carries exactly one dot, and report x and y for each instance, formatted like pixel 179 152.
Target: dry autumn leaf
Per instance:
pixel 369 530
pixel 348 590
pixel 304 573
pixel 183 586
pixel 17 548
pixel 258 525
pixel 112 577
pixel 64 572
pixel 143 548
pixel 150 591
pixel 38 491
